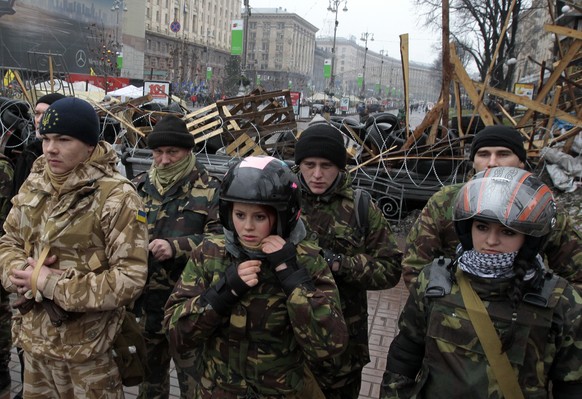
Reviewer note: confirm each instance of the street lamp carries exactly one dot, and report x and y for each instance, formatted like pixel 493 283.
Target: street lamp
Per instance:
pixel 382 52
pixel 365 36
pixel 118 6
pixel 209 35
pixel 334 7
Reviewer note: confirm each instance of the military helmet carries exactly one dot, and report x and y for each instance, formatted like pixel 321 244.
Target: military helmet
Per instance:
pixel 262 180
pixel 510 196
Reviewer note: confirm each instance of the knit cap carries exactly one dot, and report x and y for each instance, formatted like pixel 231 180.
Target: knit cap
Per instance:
pixel 73 117
pixel 499 136
pixel 321 140
pixel 171 131
pixel 50 98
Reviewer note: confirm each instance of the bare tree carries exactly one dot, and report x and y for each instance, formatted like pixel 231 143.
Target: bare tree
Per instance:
pixel 476 27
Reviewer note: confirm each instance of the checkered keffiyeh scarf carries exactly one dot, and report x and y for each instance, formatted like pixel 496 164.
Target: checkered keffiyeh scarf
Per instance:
pixel 488 265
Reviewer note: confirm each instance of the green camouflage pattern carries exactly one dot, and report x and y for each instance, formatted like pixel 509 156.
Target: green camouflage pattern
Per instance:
pixel 547 346
pixel 433 235
pixel 370 262
pixel 182 216
pixel 261 348
pixel 91 225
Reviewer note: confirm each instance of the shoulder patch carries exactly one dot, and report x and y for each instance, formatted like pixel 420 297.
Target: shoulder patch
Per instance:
pixel 141 216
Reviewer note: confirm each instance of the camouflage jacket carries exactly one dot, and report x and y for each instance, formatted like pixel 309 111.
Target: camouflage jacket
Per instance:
pixel 433 235
pixel 370 261
pixel 181 216
pixel 547 346
pixel 93 228
pixel 6 182
pixel 262 346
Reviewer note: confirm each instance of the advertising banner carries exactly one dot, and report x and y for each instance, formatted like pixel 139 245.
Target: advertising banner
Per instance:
pixel 159 90
pixel 295 101
pixel 236 39
pixel 523 89
pixel 327 68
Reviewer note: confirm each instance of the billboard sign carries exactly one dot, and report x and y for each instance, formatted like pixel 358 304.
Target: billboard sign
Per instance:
pixel 74 36
pixel 160 91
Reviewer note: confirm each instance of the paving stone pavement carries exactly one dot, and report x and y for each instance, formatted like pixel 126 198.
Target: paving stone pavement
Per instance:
pixel 383 310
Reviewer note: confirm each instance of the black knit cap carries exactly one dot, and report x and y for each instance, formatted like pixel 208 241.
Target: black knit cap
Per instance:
pixel 73 117
pixel 323 141
pixel 50 98
pixel 499 136
pixel 171 131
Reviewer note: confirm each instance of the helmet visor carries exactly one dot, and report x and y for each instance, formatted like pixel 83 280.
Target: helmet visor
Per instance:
pixel 521 203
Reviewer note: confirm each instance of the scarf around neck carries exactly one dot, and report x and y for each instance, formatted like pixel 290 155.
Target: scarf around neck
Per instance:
pixel 58 179
pixel 164 178
pixel 487 265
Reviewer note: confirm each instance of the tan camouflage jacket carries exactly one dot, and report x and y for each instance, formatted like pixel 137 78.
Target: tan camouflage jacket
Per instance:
pixel 433 235
pixel 93 228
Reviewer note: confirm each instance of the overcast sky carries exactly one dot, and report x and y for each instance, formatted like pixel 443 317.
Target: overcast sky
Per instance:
pixel 386 19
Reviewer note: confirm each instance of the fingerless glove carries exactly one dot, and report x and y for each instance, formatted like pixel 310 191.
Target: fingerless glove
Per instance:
pixel 294 275
pixel 223 295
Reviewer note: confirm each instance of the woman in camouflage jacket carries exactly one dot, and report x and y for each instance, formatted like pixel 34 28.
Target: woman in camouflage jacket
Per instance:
pixel 503 217
pixel 256 304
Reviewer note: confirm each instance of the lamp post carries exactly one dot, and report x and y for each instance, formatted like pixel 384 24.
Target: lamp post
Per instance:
pixel 118 6
pixel 365 36
pixel 382 52
pixel 334 7
pixel 209 36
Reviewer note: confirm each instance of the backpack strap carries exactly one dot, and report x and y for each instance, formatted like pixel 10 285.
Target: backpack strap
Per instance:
pixel 362 200
pixel 481 321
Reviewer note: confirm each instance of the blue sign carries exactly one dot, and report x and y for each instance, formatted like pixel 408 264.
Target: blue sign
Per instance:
pixel 175 26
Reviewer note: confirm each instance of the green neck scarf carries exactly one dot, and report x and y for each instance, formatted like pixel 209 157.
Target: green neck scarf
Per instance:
pixel 163 178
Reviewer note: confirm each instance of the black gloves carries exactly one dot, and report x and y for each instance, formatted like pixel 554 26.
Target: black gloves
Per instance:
pixel 294 275
pixel 331 257
pixel 223 295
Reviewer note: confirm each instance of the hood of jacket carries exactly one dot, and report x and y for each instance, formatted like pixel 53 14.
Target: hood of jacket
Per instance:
pixel 87 172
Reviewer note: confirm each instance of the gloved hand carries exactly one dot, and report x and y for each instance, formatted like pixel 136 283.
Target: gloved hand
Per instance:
pixel 331 257
pixel 292 275
pixel 223 295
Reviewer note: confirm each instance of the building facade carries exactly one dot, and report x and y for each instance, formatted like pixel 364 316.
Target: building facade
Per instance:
pixel 280 49
pixel 188 41
pixel 383 76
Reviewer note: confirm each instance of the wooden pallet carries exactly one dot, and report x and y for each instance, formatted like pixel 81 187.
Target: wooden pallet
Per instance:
pixel 260 114
pixel 205 123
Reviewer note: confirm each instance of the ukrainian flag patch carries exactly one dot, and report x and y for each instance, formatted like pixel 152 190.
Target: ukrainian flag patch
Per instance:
pixel 141 216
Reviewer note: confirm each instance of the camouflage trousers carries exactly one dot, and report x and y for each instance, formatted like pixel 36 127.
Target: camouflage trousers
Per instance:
pixel 97 378
pixel 157 382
